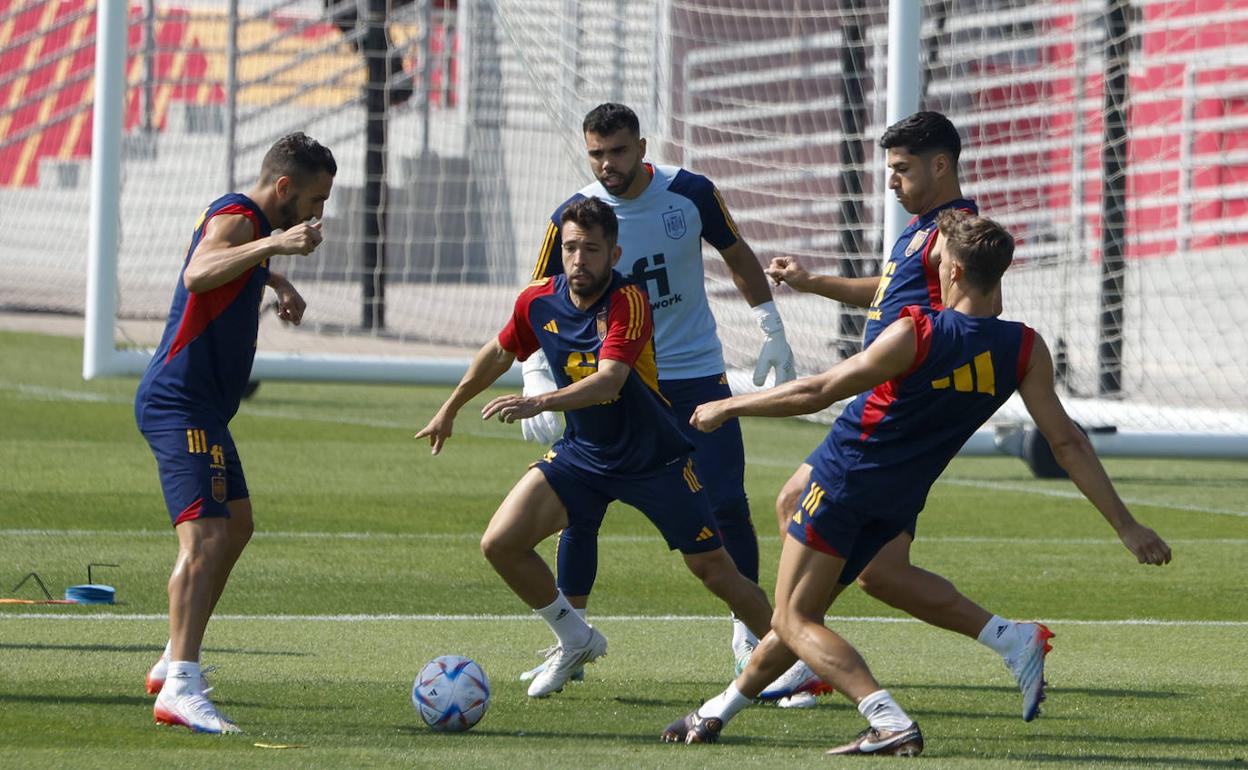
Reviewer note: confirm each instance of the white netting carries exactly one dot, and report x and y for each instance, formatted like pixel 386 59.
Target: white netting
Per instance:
pixel 780 104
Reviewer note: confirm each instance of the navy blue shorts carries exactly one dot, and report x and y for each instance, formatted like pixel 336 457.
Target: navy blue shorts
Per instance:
pixel 853 535
pixel 719 456
pixel 199 470
pixel 672 498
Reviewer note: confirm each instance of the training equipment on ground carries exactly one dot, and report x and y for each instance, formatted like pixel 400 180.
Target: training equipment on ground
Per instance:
pixel 451 694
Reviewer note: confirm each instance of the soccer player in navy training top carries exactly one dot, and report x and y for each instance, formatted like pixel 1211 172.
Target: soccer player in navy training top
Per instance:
pixel 193 386
pixel 927 383
pixel 922 154
pixel 665 215
pixel 622 441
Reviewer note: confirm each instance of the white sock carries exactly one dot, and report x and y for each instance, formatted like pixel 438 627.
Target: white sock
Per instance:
pixel 168 654
pixel 568 625
pixel 883 712
pixel 724 706
pixel 743 639
pixel 999 635
pixel 183 677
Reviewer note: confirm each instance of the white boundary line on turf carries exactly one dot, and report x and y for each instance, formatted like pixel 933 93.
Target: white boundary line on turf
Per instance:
pixel 370 618
pixel 469 536
pixel 1072 494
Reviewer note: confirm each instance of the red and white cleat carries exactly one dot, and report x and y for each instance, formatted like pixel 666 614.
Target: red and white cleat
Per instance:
pixel 193 711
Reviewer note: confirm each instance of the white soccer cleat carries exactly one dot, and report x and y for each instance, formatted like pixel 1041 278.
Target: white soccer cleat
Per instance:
pixel 1028 667
pixel 798 679
pixel 798 700
pixel 546 654
pixel 192 710
pixel 561 666
pixel 160 669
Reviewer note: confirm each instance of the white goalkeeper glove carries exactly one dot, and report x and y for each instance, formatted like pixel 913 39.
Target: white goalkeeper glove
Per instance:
pixel 776 353
pixel 547 427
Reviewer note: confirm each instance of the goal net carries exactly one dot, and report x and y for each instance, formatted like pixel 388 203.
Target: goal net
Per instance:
pixel 1068 110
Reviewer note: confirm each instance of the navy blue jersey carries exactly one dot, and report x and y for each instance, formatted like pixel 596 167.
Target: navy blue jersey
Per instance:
pixel 636 432
pixel 888 447
pixel 909 277
pixel 661 235
pixel 204 360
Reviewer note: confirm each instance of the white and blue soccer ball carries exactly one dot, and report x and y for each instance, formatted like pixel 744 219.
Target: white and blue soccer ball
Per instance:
pixel 451 693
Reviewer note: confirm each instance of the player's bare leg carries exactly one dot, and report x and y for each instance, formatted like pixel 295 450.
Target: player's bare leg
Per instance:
pixel 239 528
pixel 806 585
pixel 530 513
pixel 892 579
pixel 203 549
pixel 719 574
pixel 790 494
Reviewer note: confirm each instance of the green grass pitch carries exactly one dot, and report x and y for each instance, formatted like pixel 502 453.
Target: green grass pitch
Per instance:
pixel 366 565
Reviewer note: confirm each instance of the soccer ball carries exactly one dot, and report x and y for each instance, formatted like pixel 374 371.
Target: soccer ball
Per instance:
pixel 451 693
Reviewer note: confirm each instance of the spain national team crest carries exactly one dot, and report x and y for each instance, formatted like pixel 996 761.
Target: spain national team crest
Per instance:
pixel 601 322
pixel 674 224
pixel 917 241
pixel 218 488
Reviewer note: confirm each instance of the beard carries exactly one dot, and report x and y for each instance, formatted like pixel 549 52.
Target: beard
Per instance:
pixel 288 214
pixel 627 181
pixel 594 288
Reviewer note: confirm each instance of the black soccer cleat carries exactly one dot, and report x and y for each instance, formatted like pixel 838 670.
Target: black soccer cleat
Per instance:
pixel 899 743
pixel 692 728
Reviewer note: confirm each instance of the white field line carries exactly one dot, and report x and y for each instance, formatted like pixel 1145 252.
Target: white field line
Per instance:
pixel 470 536
pixel 58 394
pixel 389 618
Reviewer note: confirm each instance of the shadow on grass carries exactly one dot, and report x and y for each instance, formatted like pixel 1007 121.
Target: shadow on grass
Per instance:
pixel 781 741
pixel 152 648
pixel 1082 759
pixel 1052 691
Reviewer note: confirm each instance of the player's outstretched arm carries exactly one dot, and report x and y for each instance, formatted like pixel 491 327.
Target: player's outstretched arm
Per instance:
pixel 490 363
pixel 290 303
pixel 1074 452
pixel 891 355
pixel 599 387
pixel 851 291
pixel 229 248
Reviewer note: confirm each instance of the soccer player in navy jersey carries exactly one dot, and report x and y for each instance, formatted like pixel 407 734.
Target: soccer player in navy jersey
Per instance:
pixel 622 441
pixel 922 155
pixel 193 386
pixel 925 385
pixel 665 215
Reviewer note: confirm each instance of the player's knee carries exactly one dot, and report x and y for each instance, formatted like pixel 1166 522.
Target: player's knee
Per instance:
pixel 879 584
pixel 714 569
pixel 498 547
pixel 786 503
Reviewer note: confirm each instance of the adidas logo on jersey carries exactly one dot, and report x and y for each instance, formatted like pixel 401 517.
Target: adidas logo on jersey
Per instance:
pixel 551 326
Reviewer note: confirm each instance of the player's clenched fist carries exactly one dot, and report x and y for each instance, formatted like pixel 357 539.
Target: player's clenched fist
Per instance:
pixel 709 416
pixel 787 270
pixel 301 239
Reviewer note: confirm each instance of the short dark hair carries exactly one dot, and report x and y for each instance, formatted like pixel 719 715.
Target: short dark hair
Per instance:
pixel 588 212
pixel 922 133
pixel 298 156
pixel 984 247
pixel 606 119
